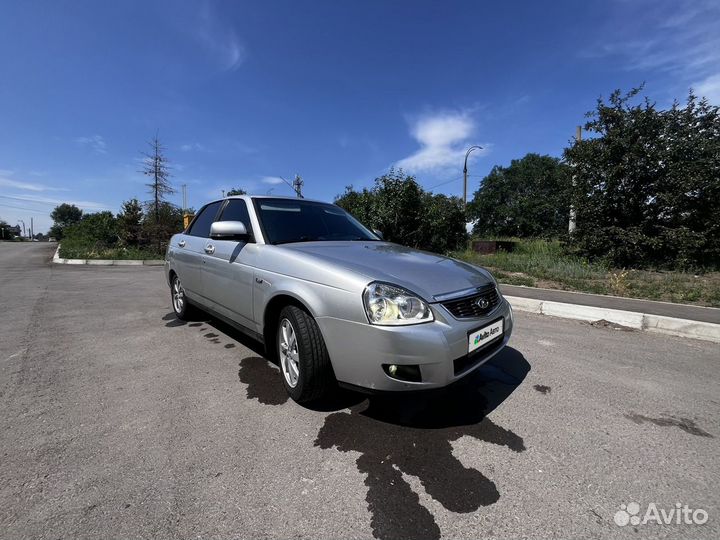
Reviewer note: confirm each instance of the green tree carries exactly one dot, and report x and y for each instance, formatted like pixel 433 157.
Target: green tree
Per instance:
pixel 170 221
pixel 130 221
pixel 647 184
pixel 5 230
pixel 235 191
pixel 406 214
pixel 442 226
pixel 63 216
pixel 529 198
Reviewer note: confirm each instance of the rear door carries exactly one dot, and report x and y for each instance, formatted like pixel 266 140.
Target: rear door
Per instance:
pixel 191 250
pixel 228 272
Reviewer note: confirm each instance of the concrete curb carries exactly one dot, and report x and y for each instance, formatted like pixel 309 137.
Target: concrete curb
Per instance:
pixel 638 321
pixel 106 262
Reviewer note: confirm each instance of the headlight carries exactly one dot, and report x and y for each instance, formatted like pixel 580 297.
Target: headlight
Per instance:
pixel 391 305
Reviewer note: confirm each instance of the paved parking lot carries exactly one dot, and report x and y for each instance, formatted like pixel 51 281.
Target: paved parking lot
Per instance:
pixel 119 421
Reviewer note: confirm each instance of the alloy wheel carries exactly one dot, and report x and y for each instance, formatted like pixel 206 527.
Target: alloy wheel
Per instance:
pixel 289 355
pixel 178 295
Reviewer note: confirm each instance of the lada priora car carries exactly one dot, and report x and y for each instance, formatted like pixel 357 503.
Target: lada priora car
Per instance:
pixel 333 302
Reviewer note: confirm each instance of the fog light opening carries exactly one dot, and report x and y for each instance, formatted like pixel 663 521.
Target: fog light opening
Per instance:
pixel 410 373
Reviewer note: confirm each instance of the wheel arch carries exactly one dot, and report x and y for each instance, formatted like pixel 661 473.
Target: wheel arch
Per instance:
pixel 272 311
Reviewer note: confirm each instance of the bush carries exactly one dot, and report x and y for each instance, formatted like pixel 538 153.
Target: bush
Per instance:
pixel 647 185
pixel 94 232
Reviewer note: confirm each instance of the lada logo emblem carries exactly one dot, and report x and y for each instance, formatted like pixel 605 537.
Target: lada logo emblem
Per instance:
pixel 482 302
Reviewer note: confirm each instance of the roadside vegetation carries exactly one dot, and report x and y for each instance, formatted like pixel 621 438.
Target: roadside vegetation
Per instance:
pixel 139 231
pixel 547 264
pixel 644 187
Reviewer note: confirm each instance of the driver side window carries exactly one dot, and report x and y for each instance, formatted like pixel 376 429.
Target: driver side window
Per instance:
pixel 201 224
pixel 236 210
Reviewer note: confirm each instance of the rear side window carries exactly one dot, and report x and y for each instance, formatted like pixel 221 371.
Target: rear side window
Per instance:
pixel 236 210
pixel 201 225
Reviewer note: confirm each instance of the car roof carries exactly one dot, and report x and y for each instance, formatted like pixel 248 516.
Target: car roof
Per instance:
pixel 250 197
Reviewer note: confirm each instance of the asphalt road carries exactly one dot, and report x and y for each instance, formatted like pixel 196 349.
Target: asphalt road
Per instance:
pixel 118 421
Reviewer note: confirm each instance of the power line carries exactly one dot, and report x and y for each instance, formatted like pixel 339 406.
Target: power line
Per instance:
pixel 443 183
pixel 50 202
pixel 26 209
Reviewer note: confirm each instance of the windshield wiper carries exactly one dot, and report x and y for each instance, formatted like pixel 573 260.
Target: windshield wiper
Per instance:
pixel 296 240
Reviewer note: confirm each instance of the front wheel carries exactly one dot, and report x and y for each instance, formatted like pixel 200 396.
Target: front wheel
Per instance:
pixel 304 360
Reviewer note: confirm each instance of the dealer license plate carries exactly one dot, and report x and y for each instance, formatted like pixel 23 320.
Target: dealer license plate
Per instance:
pixel 485 335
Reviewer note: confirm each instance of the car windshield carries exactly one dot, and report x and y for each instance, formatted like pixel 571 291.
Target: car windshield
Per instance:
pixel 286 220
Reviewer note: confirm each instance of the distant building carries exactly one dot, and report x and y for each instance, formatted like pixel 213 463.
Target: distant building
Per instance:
pixel 8 232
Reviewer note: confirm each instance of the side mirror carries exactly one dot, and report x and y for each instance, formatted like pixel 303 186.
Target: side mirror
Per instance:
pixel 378 234
pixel 228 230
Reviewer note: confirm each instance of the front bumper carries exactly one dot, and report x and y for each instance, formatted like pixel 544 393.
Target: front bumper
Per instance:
pixel 440 349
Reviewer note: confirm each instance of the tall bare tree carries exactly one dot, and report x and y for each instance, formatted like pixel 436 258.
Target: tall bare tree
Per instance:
pixel 157 167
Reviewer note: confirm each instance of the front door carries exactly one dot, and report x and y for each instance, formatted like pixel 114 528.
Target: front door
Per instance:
pixel 228 272
pixel 190 252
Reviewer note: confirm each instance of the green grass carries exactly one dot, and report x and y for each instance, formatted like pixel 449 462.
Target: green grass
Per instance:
pixel 70 249
pixel 540 263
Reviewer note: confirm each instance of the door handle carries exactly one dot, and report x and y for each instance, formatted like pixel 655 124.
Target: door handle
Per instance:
pixel 181 243
pixel 209 249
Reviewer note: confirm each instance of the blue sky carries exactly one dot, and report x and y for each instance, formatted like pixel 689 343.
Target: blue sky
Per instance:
pixel 337 91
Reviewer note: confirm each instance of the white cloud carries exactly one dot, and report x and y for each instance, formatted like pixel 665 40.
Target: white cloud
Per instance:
pixel 676 37
pixel 95 142
pixel 444 139
pixel 709 88
pixel 7 182
pixel 192 146
pixel 272 180
pixel 219 39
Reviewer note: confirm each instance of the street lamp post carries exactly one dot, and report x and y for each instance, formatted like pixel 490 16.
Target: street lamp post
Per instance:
pixel 475 147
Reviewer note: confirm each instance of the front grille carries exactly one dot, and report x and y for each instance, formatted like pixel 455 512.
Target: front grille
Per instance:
pixel 468 307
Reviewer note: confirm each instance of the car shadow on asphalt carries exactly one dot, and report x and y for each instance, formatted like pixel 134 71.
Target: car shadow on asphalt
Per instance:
pixel 204 323
pixel 401 435
pixel 411 435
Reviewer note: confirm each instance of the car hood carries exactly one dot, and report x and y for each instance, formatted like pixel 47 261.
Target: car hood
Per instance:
pixel 426 274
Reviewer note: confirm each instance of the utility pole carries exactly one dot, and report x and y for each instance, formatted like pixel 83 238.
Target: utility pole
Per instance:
pixel 184 196
pixel 297 186
pixel 32 229
pixel 571 223
pixel 465 174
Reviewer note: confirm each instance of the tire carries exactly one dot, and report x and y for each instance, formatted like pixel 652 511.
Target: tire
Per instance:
pixel 314 375
pixel 180 304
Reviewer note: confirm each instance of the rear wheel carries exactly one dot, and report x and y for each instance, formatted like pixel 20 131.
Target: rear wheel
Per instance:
pixel 182 308
pixel 304 361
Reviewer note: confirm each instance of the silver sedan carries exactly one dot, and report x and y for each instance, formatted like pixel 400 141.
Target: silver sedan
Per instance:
pixel 332 302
